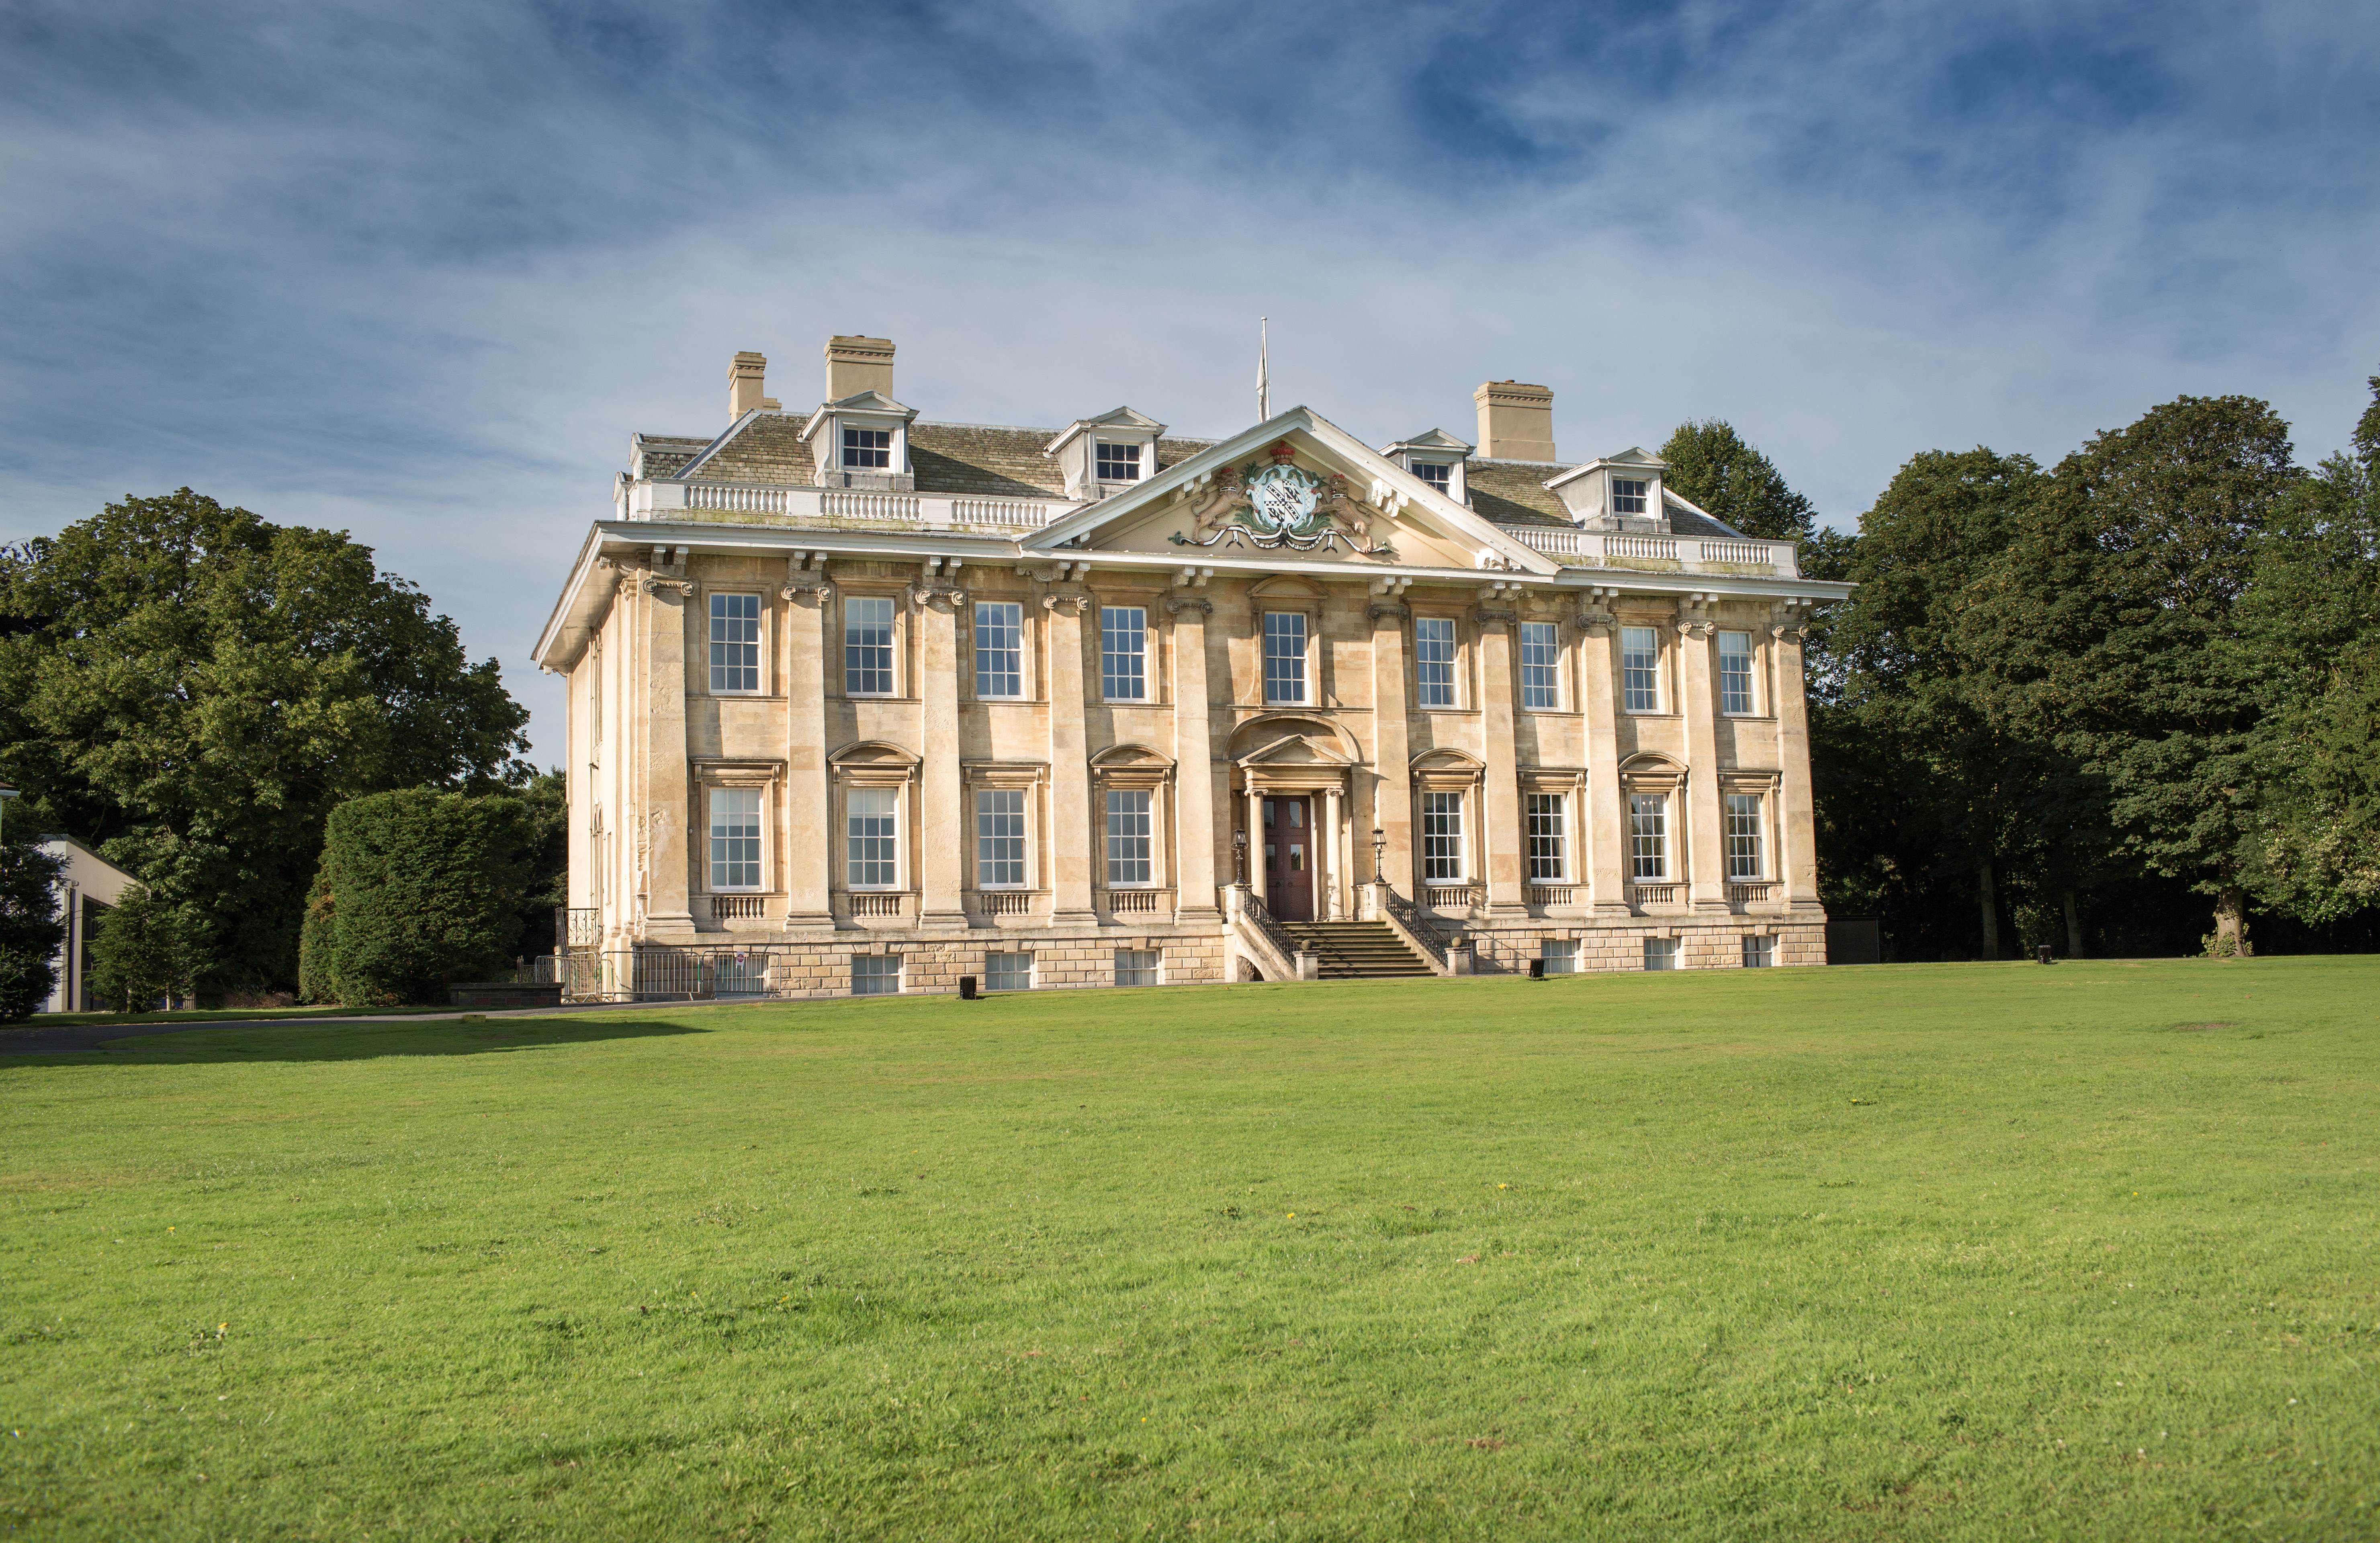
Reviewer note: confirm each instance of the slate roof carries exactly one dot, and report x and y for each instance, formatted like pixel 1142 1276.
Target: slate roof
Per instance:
pixel 987 460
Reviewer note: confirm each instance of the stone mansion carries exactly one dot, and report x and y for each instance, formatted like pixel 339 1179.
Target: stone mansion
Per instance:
pixel 863 701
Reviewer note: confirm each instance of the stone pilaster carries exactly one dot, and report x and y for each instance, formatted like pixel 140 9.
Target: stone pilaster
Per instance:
pixel 1391 790
pixel 1500 833
pixel 668 805
pixel 1606 824
pixel 1698 704
pixel 1071 837
pixel 1797 819
pixel 810 844
pixel 1194 762
pixel 941 844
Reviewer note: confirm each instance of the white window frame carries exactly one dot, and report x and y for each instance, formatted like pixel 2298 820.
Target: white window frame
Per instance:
pixel 876 972
pixel 1561 955
pixel 1153 968
pixel 725 665
pixel 892 646
pixel 1626 490
pixel 1661 953
pixel 1107 453
pixel 1006 980
pixel 1745 826
pixel 1137 656
pixel 896 798
pixel 847 448
pixel 1751 673
pixel 718 834
pixel 1017 654
pixel 1655 806
pixel 1449 803
pixel 1022 836
pixel 1295 672
pixel 1759 951
pixel 1452 664
pixel 1139 846
pixel 1628 699
pixel 1439 475
pixel 1547 682
pixel 1547 867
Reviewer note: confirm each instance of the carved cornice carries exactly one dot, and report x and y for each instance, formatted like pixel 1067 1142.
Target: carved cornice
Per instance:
pixel 1392 611
pixel 1081 601
pixel 1496 615
pixel 1176 604
pixel 808 589
pixel 656 586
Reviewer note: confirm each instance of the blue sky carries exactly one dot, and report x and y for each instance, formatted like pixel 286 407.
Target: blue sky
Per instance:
pixel 417 271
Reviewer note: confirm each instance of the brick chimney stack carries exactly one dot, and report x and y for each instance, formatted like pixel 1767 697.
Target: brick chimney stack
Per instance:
pixel 745 376
pixel 857 364
pixel 1516 421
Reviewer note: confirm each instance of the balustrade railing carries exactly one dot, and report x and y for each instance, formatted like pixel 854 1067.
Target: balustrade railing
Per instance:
pixel 1653 894
pixel 738 908
pixel 1453 897
pixel 1621 547
pixel 882 905
pixel 1552 894
pixel 1750 893
pixel 662 500
pixel 1135 902
pixel 578 926
pixel 1005 903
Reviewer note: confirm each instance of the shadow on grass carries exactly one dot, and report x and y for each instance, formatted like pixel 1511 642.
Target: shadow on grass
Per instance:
pixel 215 1045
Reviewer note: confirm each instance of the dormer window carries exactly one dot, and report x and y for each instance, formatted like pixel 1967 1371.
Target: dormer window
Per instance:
pixel 1614 492
pixel 867 449
pixel 1627 496
pixel 1118 463
pixel 1108 455
pixel 1437 458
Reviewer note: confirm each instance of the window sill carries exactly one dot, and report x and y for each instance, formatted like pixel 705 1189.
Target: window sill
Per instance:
pixel 1551 713
pixel 872 697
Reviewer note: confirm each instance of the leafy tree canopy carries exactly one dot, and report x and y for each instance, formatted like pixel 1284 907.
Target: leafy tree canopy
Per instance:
pixel 1711 466
pixel 417 889
pixel 193 689
pixel 30 928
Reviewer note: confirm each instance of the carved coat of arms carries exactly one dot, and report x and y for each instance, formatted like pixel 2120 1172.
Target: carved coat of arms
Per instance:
pixel 1282 505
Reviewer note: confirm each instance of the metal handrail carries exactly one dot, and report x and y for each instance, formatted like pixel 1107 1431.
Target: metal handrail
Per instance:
pixel 1252 906
pixel 1425 929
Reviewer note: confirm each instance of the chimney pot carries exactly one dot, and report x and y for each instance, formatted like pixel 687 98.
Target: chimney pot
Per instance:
pixel 1516 421
pixel 857 364
pixel 744 387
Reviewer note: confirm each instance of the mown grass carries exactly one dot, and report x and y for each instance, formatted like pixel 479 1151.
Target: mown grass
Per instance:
pixel 41 1021
pixel 1971 1251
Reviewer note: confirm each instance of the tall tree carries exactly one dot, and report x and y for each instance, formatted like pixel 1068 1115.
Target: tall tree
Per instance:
pixel 194 688
pixel 1711 466
pixel 1924 783
pixel 30 928
pixel 2313 622
pixel 2112 632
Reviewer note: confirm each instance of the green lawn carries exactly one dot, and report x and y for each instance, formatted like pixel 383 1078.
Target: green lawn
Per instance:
pixel 1955 1251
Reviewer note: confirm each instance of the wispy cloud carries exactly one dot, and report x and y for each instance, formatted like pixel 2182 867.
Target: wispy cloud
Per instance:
pixel 419 270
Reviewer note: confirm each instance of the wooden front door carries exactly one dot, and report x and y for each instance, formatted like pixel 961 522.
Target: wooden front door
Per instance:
pixel 1289 853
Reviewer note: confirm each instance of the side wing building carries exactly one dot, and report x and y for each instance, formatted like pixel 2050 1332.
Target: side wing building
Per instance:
pixel 863 701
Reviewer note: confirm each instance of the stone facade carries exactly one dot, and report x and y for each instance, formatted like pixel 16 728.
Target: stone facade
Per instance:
pixel 1000 691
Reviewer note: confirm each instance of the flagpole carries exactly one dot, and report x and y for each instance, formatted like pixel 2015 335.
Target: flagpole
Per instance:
pixel 1264 368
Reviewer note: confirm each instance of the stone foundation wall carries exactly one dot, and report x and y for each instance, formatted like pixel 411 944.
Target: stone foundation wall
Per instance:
pixel 820 967
pixel 1700 946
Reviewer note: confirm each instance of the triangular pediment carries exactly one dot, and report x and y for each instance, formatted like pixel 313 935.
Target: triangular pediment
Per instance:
pixel 1114 420
pixel 1437 441
pixel 1335 503
pixel 1297 749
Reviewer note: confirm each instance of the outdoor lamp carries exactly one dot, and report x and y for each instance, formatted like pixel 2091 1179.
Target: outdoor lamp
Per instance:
pixel 1239 856
pixel 1380 854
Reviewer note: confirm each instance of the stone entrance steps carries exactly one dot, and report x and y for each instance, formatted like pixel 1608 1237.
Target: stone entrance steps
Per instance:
pixel 1355 950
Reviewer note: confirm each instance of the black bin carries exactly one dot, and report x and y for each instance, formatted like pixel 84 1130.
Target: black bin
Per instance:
pixel 966 987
